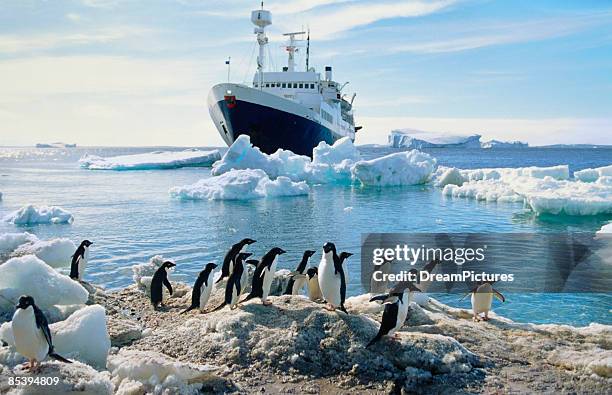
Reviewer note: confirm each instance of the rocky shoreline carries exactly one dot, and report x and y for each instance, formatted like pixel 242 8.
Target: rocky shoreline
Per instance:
pixel 296 346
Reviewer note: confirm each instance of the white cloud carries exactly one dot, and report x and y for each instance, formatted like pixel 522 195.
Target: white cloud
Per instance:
pixel 534 131
pixel 73 17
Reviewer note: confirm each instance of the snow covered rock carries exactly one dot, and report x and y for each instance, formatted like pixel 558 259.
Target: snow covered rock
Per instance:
pixel 31 214
pixel 401 168
pixel 136 371
pixel 28 275
pixel 55 252
pixel 592 175
pixel 240 185
pixel 418 139
pixel 152 160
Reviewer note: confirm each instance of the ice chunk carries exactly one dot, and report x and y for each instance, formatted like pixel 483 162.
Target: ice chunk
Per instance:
pixel 143 273
pixel 448 176
pixel 82 336
pixel 329 164
pixel 32 214
pixel 418 139
pixel 152 160
pixel 150 372
pixel 543 189
pixel 55 252
pixel 592 175
pixel 28 275
pixel 240 185
pixel 401 168
pixel 503 144
pixel 605 229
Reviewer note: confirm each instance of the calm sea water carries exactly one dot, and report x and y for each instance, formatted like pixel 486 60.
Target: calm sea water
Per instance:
pixel 130 217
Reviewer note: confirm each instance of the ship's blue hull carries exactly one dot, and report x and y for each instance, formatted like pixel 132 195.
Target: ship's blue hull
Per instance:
pixel 271 129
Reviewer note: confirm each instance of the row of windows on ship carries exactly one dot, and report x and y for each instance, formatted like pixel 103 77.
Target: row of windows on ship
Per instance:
pixel 293 85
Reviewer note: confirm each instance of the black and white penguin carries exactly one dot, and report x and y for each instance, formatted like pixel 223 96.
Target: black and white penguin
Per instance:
pixel 202 288
pixel 482 299
pixel 235 282
pixel 331 278
pixel 396 309
pixel 228 261
pixel 343 259
pixel 32 335
pixel 264 274
pixel 314 291
pixel 160 278
pixel 79 261
pixel 296 283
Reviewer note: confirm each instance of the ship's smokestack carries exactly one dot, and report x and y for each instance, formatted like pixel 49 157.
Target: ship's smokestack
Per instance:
pixel 328 73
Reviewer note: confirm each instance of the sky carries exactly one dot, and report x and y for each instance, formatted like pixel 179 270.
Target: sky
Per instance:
pixel 137 72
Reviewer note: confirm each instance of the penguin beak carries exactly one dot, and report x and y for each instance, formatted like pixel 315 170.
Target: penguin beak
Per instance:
pixel 281 251
pixel 214 266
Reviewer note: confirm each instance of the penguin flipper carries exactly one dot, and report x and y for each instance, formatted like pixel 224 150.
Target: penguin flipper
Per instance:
pixel 58 357
pixel 219 307
pixel 376 338
pixel 379 298
pixel 188 309
pixel 43 325
pixel 498 295
pixel 289 289
pixel 343 309
pixel 168 285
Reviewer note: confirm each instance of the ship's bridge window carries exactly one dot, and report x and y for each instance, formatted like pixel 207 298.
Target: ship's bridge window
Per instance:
pixel 267 85
pixel 301 86
pixel 284 85
pixel 294 86
pixel 311 86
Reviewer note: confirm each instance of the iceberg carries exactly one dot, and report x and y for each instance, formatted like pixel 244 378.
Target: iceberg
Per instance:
pixel 592 175
pixel 240 185
pixel 55 252
pixel 503 144
pixel 607 228
pixel 28 275
pixel 31 214
pixel 401 168
pixel 418 139
pixel 152 160
pixel 542 189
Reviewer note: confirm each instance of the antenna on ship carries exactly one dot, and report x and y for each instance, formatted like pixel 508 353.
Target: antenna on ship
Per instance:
pixel 261 18
pixel 307 49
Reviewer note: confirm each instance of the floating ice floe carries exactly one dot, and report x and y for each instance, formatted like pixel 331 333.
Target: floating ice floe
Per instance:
pixel 28 275
pixel 55 252
pixel 493 144
pixel 542 189
pixel 418 139
pixel 240 185
pixel 152 160
pixel 592 175
pixel 607 228
pixel 83 336
pixel 31 215
pixel 401 168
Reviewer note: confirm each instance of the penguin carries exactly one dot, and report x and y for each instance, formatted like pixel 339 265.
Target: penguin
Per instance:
pixel 32 335
pixel 331 278
pixel 314 291
pixel 234 286
pixel 160 277
pixel 396 309
pixel 79 260
pixel 263 276
pixel 228 261
pixel 296 284
pixel 343 257
pixel 482 299
pixel 202 288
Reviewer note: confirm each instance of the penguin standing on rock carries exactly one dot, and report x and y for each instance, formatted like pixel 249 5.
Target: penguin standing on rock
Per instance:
pixel 263 276
pixel 160 278
pixel 343 258
pixel 314 291
pixel 296 283
pixel 32 335
pixel 396 309
pixel 331 278
pixel 202 288
pixel 235 282
pixel 228 262
pixel 482 299
pixel 79 260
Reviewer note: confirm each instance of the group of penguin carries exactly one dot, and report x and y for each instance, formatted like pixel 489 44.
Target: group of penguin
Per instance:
pixel 327 283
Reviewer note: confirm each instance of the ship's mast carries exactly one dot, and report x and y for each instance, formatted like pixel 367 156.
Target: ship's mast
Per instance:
pixel 292 48
pixel 261 18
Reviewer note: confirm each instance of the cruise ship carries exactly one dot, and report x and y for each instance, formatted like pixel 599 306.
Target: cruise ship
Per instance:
pixel 289 109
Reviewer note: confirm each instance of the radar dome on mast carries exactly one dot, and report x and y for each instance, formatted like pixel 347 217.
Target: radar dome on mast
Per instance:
pixel 261 18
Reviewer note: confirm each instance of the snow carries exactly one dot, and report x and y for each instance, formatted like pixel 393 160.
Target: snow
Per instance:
pixel 152 372
pixel 152 160
pixel 240 185
pixel 83 336
pixel 401 168
pixel 143 273
pixel 28 275
pixel 605 229
pixel 542 189
pixel 448 176
pixel 418 139
pixel 592 175
pixel 10 241
pixel 31 214
pixel 55 252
